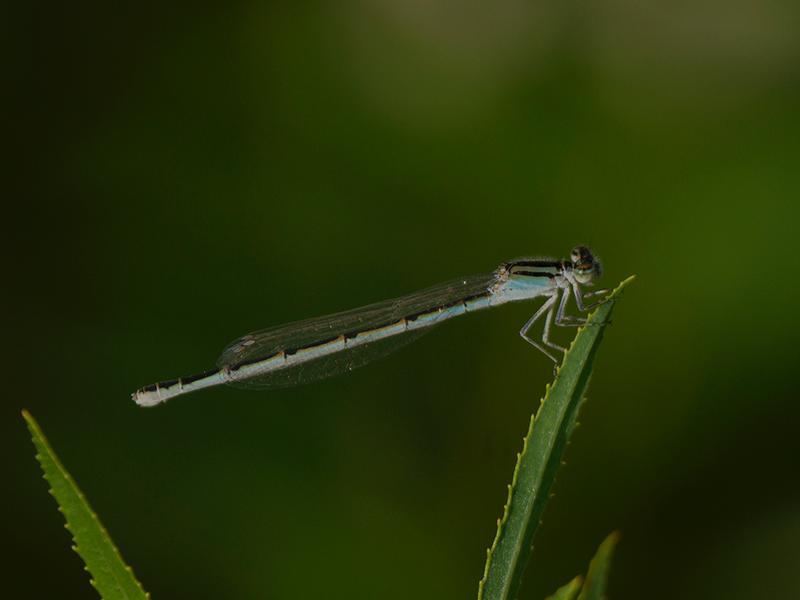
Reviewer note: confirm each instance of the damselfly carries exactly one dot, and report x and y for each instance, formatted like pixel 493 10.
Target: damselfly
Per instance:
pixel 307 350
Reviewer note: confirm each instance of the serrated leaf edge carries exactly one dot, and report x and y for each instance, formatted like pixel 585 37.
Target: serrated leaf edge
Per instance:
pixel 502 521
pixel 42 445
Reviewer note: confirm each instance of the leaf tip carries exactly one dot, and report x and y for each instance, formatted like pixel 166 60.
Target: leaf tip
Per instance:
pixel 623 284
pixel 613 538
pixel 29 420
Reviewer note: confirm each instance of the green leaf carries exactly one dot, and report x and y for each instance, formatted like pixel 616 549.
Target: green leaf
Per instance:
pixel 111 577
pixel 569 591
pixel 542 451
pixel 595 586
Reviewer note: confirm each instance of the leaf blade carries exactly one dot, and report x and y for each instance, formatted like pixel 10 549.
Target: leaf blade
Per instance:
pixel 569 591
pixel 537 464
pixel 594 588
pixel 111 577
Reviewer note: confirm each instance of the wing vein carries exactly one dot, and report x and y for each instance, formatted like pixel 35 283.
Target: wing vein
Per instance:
pixel 289 338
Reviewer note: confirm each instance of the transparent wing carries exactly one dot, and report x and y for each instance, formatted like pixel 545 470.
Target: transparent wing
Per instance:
pixel 333 364
pixel 267 342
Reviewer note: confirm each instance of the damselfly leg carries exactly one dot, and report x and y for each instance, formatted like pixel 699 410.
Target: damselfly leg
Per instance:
pixel 596 293
pixel 546 309
pixel 563 320
pixel 552 314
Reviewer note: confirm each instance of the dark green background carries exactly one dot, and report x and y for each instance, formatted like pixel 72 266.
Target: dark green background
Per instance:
pixel 183 175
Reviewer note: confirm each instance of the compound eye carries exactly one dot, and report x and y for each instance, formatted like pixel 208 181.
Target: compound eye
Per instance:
pixel 581 255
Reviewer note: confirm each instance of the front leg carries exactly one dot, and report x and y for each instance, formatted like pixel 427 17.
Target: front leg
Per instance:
pixel 563 320
pixel 576 290
pixel 595 293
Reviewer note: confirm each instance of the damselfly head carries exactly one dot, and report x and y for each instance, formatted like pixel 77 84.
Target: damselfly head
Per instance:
pixel 585 266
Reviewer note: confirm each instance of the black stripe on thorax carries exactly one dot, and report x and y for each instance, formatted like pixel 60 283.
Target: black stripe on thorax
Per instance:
pixel 527 273
pixel 558 264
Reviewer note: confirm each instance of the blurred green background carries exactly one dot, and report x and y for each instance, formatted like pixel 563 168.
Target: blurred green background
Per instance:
pixel 188 174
